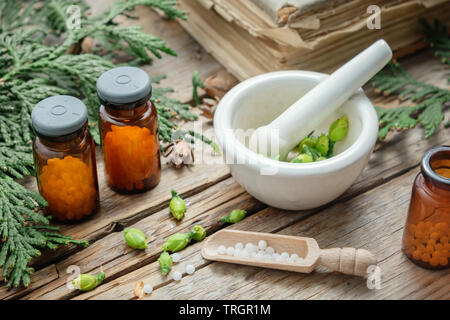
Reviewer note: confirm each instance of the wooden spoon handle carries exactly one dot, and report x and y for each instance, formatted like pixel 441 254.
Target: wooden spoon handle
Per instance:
pixel 347 260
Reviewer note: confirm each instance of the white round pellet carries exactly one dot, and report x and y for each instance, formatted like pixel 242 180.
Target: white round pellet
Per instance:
pixel 176 257
pixel 294 256
pixel 262 244
pixel 177 276
pixel 237 253
pixel 148 289
pixel 222 250
pixel 270 250
pixel 239 246
pixel 230 251
pixel 285 255
pixel 190 269
pixel 300 260
pixel 250 247
pixel 259 255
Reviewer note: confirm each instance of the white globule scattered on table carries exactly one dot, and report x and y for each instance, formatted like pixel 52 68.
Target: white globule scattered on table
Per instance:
pixel 239 246
pixel 190 269
pixel 148 289
pixel 176 257
pixel 177 276
pixel 230 251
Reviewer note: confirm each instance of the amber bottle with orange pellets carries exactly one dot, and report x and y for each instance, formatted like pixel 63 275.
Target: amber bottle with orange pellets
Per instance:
pixel 65 158
pixel 129 130
pixel 427 231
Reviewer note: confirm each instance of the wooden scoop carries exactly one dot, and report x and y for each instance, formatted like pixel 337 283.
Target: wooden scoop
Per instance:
pixel 347 260
pixel 294 124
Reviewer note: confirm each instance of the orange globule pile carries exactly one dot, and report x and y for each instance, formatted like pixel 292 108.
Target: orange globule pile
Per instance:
pixel 428 243
pixel 68 186
pixel 129 156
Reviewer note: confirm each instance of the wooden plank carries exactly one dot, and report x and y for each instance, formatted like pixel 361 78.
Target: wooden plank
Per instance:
pixel 397 156
pixel 267 220
pixel 373 220
pixel 116 258
pixel 378 172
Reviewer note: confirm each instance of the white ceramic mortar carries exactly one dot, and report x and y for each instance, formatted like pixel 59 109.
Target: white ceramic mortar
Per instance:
pixel 292 186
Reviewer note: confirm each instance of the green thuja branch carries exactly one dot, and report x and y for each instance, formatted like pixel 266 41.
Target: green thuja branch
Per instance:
pixel 31 69
pixel 22 231
pixel 439 40
pixel 430 100
pixel 196 83
pixel 428 112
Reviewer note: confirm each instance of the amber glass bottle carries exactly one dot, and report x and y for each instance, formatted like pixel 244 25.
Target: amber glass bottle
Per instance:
pixel 64 154
pixel 427 231
pixel 129 130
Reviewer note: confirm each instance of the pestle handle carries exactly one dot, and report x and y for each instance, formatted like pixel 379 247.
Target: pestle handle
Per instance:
pixel 313 108
pixel 347 260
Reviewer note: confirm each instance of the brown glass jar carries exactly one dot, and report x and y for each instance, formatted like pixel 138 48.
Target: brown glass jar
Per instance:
pixel 129 130
pixel 64 154
pixel 427 230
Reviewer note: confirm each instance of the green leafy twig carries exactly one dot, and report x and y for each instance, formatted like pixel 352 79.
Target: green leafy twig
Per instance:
pixel 429 112
pixel 439 40
pixel 196 83
pixel 430 99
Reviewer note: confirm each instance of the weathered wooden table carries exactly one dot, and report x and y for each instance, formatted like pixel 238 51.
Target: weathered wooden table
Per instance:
pixel 370 215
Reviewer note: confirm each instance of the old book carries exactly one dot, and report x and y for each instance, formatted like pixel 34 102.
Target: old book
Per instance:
pixel 250 37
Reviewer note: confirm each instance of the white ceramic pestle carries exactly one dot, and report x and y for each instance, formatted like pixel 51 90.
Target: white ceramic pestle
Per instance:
pixel 308 112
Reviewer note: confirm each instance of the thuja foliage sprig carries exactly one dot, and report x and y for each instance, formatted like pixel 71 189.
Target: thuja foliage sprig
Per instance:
pixel 439 40
pixel 31 69
pixel 196 83
pixel 430 100
pixel 428 112
pixel 22 230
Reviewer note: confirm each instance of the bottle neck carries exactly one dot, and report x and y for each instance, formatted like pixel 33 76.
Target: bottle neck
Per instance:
pixel 435 165
pixel 73 139
pixel 131 111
